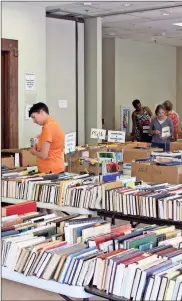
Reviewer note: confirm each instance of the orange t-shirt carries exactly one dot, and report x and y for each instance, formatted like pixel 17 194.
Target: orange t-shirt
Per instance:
pixel 52 132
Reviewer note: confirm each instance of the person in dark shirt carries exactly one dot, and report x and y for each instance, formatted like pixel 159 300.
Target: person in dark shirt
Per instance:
pixel 141 119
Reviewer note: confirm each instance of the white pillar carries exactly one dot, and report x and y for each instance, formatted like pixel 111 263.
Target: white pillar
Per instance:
pixel 179 82
pixel 93 76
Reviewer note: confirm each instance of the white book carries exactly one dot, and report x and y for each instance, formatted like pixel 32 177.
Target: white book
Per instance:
pixel 179 296
pixel 149 290
pixel 176 288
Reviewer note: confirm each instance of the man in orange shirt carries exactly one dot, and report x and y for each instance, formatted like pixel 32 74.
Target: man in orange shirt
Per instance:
pixel 50 147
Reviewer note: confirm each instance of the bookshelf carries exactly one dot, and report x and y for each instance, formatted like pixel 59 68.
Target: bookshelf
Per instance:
pixel 103 294
pixel 67 209
pixel 66 291
pixel 137 219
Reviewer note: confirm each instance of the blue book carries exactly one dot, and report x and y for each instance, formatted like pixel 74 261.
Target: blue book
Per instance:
pixel 9 233
pixel 68 262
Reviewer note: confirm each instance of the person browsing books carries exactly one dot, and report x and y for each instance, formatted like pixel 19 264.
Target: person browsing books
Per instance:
pixel 49 149
pixel 174 117
pixel 161 129
pixel 141 119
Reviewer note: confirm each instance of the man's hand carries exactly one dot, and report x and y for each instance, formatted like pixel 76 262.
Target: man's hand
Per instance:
pixel 33 151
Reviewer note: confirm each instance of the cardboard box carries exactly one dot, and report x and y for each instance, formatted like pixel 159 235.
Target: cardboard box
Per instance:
pixel 174 146
pixel 150 172
pixel 132 154
pixel 8 161
pixel 79 168
pixel 22 157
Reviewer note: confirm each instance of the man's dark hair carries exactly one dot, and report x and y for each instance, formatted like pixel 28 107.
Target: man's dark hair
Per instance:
pixel 135 102
pixel 37 107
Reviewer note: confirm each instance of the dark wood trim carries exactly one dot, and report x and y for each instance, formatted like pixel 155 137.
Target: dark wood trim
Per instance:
pixel 10 47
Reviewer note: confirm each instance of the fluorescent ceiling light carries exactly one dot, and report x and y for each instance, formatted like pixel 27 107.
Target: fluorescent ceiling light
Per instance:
pixel 87 3
pixel 165 14
pixel 177 24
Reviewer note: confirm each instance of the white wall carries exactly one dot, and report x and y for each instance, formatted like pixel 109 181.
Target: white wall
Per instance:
pixel 25 22
pixel 179 83
pixel 108 83
pixel 61 73
pixel 93 75
pixel 145 71
pixel 61 79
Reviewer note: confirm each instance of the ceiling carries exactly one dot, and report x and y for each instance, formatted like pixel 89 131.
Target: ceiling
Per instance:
pixel 140 21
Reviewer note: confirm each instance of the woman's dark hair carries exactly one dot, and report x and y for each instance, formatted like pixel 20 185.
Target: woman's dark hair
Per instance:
pixel 136 102
pixel 158 108
pixel 37 107
pixel 168 105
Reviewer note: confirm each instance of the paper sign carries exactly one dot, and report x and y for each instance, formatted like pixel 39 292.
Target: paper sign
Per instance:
pixel 17 160
pixel 29 81
pixel 166 132
pixel 116 136
pixel 98 134
pixel 85 154
pixel 70 142
pixel 27 109
pixel 63 104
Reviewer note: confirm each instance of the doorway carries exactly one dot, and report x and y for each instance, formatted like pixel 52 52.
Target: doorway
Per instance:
pixel 9 93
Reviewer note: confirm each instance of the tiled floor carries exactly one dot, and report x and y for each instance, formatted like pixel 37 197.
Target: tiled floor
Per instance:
pixel 15 291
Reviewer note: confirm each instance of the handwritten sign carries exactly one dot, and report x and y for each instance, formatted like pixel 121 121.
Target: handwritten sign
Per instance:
pixel 166 132
pixel 116 136
pixel 29 81
pixel 70 142
pixel 98 134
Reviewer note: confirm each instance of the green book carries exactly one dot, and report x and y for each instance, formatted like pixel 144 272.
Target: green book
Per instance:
pixel 136 242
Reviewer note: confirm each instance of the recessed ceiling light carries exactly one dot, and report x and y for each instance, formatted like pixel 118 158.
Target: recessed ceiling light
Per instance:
pixel 87 3
pixel 127 4
pixel 177 24
pixel 165 14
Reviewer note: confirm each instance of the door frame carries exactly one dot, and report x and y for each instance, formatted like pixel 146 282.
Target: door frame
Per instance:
pixel 11 47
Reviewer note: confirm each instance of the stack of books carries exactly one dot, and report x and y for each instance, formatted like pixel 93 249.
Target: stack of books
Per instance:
pixel 161 201
pixel 143 264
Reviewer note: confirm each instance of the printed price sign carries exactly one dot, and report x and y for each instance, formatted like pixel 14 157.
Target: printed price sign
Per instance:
pixel 98 134
pixel 166 132
pixel 116 136
pixel 70 143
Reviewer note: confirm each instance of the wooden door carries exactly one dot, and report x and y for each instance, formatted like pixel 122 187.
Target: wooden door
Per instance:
pixel 9 93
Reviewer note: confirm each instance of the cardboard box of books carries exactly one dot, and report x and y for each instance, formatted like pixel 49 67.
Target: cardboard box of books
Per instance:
pixel 80 167
pixel 150 172
pixel 87 152
pixel 174 146
pixel 22 157
pixel 8 161
pixel 132 154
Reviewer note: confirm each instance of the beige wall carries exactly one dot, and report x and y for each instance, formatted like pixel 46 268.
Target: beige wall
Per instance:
pixel 25 22
pixel 108 83
pixel 179 82
pixel 142 70
pixel 145 71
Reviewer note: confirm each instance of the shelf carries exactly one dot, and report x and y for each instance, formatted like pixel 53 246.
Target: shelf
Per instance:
pixel 102 294
pixel 68 209
pixel 48 285
pixel 140 219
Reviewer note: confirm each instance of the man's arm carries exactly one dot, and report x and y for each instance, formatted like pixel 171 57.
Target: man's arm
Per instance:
pixel 43 154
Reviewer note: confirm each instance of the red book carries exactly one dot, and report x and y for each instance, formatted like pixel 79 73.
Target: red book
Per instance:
pixel 21 208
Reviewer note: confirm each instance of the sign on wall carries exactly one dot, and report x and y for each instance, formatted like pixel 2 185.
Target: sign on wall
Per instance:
pixel 29 81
